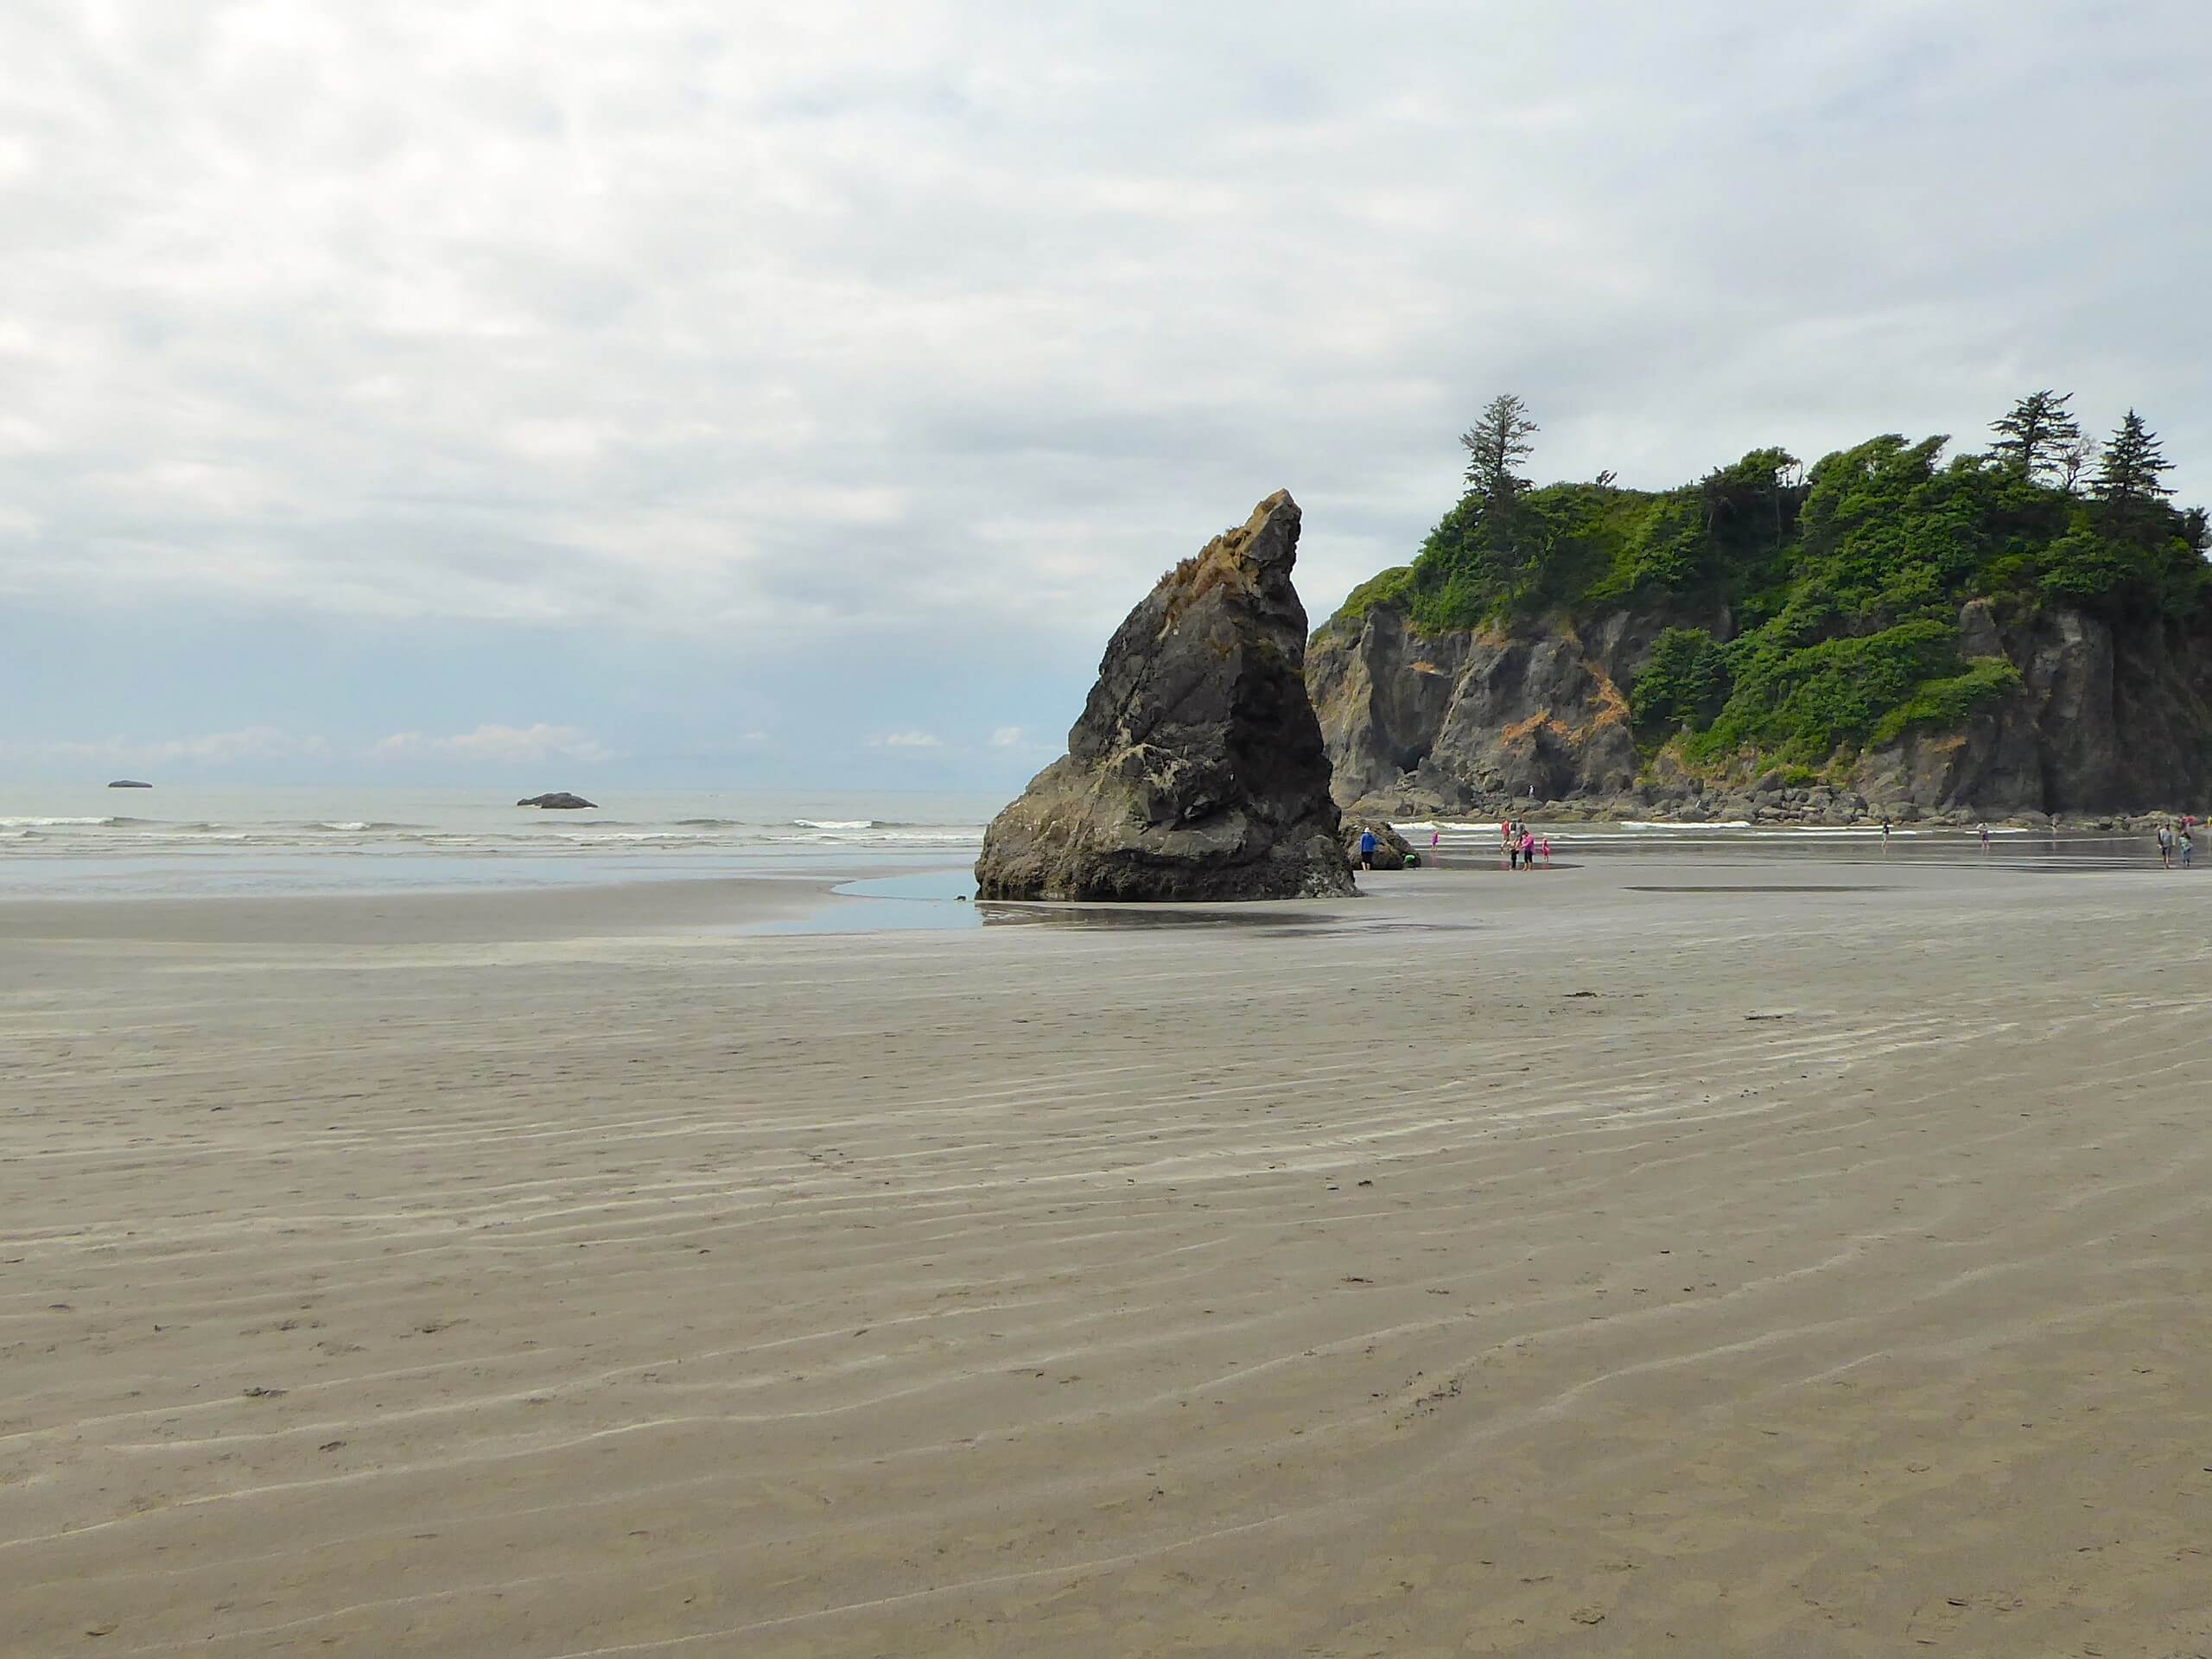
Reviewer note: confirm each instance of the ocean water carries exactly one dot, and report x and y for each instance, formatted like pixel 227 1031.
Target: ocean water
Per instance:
pixel 181 840
pixel 75 841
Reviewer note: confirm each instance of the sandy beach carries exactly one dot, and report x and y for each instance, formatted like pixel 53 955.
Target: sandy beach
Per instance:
pixel 1704 1256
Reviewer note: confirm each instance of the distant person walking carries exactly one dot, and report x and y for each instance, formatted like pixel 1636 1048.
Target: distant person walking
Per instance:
pixel 1367 849
pixel 2166 847
pixel 1984 839
pixel 1545 846
pixel 2188 847
pixel 1527 850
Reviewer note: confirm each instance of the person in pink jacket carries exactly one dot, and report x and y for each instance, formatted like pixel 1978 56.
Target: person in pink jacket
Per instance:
pixel 1527 850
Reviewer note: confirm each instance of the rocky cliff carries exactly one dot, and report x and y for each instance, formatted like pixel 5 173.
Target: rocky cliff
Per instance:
pixel 1196 770
pixel 2106 717
pixel 1888 633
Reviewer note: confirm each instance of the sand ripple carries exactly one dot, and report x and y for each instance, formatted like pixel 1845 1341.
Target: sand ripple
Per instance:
pixel 1105 1292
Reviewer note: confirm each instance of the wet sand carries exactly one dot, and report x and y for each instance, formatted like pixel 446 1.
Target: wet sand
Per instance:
pixel 408 919
pixel 1532 1265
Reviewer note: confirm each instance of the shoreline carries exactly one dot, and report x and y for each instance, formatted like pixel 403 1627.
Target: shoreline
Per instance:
pixel 1743 815
pixel 917 892
pixel 879 898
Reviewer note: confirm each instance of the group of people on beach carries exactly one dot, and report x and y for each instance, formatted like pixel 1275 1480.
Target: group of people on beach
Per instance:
pixel 2172 839
pixel 1520 845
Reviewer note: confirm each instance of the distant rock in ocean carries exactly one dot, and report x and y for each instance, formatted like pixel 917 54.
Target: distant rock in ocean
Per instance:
pixel 1196 770
pixel 560 800
pixel 129 783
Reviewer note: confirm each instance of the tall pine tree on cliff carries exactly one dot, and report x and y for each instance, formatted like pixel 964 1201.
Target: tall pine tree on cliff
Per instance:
pixel 2129 483
pixel 1496 444
pixel 2033 437
pixel 2129 473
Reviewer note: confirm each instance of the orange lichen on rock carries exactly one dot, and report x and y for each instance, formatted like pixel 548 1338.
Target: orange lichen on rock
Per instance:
pixel 1523 729
pixel 1612 707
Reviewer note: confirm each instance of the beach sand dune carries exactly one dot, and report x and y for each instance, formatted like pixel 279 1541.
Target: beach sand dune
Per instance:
pixel 1459 1271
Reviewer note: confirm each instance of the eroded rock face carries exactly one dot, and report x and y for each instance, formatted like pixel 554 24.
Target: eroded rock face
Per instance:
pixel 2105 720
pixel 1197 769
pixel 1478 717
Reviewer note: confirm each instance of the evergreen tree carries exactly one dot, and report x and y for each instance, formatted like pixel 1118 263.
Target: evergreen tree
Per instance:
pixel 2128 474
pixel 1496 445
pixel 2036 433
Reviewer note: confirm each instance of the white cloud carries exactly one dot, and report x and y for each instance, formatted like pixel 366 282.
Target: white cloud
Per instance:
pixel 211 748
pixel 938 332
pixel 499 743
pixel 254 743
pixel 1006 737
pixel 906 741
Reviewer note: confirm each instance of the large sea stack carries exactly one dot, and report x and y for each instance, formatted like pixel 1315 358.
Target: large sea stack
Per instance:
pixel 1197 770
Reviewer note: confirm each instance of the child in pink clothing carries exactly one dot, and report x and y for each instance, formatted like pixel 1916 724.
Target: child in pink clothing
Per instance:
pixel 1545 848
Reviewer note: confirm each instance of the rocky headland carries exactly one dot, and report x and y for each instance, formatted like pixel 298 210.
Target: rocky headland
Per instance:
pixel 1196 770
pixel 1883 636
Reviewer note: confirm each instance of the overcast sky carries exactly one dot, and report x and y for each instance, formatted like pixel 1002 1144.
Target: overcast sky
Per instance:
pixel 729 393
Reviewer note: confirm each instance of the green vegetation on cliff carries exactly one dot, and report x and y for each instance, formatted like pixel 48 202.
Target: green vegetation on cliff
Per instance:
pixel 1814 610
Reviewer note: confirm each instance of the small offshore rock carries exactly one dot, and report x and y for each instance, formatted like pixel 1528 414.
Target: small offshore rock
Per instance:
pixel 559 800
